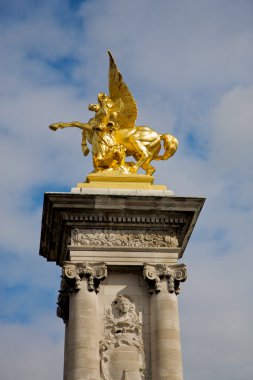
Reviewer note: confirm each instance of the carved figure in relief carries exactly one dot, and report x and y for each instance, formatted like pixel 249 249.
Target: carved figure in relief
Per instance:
pixel 121 350
pixel 128 238
pixel 113 134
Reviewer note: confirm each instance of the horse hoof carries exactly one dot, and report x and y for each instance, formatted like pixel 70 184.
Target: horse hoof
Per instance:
pixel 150 171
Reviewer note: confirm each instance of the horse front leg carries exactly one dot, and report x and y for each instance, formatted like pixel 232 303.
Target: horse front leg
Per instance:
pixel 71 124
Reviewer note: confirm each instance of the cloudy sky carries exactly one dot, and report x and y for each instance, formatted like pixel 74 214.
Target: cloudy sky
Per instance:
pixel 189 64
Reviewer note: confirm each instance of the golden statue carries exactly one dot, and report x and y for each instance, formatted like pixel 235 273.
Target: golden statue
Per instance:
pixel 113 135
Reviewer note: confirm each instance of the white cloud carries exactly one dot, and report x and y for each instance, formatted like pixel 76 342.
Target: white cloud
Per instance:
pixel 175 45
pixel 29 352
pixel 189 65
pixel 233 132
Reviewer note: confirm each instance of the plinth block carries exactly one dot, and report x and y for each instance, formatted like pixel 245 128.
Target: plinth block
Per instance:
pixel 120 181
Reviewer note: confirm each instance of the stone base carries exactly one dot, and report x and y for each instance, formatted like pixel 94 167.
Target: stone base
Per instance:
pixel 121 191
pixel 120 181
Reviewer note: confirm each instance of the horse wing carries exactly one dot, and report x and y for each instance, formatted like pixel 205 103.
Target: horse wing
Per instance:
pixel 120 93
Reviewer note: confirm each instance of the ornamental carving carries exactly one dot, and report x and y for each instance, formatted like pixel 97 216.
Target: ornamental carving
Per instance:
pixel 93 272
pixel 66 289
pixel 174 274
pixel 121 349
pixel 124 238
pixel 72 275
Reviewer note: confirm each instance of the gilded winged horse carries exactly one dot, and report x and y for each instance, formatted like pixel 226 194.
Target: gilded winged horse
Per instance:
pixel 113 135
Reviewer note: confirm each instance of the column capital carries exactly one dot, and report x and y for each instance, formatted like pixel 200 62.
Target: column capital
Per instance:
pixel 174 274
pixel 72 275
pixel 94 272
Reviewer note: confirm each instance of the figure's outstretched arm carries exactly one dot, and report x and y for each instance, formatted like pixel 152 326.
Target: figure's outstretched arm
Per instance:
pixel 76 124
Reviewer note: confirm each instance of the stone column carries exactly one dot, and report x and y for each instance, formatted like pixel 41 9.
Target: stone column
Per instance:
pixel 83 341
pixel 166 357
pixel 78 306
pixel 65 369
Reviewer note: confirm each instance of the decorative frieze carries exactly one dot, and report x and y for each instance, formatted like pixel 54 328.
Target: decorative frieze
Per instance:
pixel 174 274
pixel 123 238
pixel 72 274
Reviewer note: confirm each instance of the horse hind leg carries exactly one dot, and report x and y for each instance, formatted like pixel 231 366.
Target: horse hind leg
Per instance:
pixel 146 166
pixel 155 149
pixel 149 169
pixel 141 151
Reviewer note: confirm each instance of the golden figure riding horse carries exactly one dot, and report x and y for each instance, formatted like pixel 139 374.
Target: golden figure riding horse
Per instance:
pixel 113 135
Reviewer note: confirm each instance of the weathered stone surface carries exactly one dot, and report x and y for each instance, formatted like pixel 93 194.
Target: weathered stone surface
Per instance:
pixel 120 280
pixel 173 273
pixel 172 218
pixel 122 348
pixel 129 192
pixel 125 238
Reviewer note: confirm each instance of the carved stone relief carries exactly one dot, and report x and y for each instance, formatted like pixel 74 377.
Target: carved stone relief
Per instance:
pixel 123 238
pixel 71 282
pixel 121 349
pixel 173 273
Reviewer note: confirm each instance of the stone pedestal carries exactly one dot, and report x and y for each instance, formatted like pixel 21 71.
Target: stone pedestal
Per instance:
pixel 120 280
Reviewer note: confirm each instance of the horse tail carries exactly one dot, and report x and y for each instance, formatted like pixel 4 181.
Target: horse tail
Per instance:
pixel 170 144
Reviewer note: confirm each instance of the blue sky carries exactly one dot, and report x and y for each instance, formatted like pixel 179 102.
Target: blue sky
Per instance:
pixel 189 65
